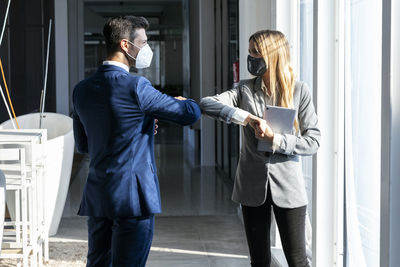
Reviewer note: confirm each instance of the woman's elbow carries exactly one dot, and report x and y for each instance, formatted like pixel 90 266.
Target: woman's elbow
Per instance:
pixel 316 144
pixel 204 103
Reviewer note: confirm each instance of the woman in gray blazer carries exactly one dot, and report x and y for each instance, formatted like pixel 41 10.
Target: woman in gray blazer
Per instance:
pixel 266 180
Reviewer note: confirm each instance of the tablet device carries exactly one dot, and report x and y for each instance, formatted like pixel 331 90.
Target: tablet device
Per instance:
pixel 281 120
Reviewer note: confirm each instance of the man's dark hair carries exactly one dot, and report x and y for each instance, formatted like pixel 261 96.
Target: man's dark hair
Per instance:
pixel 118 28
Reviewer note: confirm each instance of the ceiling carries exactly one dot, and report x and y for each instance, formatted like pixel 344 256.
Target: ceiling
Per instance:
pixel 145 8
pixel 164 16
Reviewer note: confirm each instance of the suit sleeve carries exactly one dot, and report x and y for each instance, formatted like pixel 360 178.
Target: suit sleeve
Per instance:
pixel 79 132
pixel 309 140
pixel 223 106
pixel 154 103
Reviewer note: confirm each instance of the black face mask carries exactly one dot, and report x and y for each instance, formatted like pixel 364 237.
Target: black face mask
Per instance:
pixel 256 66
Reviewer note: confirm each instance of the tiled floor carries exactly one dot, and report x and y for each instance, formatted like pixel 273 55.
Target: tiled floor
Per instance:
pixel 198 226
pixel 179 241
pixel 202 241
pixel 188 190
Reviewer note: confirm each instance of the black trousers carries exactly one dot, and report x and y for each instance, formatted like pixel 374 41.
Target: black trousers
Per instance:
pixel 291 225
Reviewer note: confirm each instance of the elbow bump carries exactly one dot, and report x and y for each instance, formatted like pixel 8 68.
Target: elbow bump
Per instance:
pixel 195 113
pixel 188 119
pixel 195 117
pixel 203 103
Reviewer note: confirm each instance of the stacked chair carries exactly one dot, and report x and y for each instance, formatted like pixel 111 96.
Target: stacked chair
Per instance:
pixel 25 235
pixel 2 203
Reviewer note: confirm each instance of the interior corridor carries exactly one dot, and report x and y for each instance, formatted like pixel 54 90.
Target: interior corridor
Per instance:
pixel 198 227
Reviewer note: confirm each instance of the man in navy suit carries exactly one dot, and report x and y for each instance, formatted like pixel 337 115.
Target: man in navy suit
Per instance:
pixel 114 114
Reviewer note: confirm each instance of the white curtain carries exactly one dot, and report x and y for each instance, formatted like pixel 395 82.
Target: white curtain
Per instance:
pixel 362 131
pixel 355 255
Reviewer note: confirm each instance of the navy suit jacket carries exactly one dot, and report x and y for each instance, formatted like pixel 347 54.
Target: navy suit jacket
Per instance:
pixel 114 114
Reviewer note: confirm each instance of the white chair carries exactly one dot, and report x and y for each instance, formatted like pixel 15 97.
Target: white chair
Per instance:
pixel 20 234
pixel 2 204
pixel 33 141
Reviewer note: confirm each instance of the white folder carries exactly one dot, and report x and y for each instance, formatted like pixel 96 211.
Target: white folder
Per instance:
pixel 281 120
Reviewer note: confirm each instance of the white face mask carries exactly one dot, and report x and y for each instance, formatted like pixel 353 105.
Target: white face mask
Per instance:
pixel 144 57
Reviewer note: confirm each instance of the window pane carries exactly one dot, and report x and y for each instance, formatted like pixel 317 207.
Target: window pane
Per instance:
pixel 306 75
pixel 362 131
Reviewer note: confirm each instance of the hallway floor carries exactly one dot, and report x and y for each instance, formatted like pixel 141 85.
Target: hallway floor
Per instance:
pixel 179 241
pixel 206 241
pixel 198 227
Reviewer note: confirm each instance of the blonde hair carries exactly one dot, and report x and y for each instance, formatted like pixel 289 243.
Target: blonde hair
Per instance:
pixel 274 48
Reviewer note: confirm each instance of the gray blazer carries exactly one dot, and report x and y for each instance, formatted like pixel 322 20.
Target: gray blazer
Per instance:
pixel 282 170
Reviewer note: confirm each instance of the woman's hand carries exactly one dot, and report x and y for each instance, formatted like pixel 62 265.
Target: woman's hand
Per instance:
pixel 261 128
pixel 264 132
pixel 253 121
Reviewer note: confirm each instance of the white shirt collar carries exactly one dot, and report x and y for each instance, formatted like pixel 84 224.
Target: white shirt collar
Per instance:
pixel 116 63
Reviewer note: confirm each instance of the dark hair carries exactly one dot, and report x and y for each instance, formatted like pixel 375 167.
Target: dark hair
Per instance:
pixel 118 28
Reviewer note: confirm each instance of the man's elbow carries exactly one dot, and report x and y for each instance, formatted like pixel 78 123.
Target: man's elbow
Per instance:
pixel 194 113
pixel 195 116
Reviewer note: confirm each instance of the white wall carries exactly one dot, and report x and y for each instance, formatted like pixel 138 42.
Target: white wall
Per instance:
pixel 61 54
pixel 76 59
pixel 390 187
pixel 254 15
pixel 395 136
pixel 202 70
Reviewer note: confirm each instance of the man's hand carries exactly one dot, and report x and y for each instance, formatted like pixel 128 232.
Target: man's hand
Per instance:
pixel 262 130
pixel 180 98
pixel 155 126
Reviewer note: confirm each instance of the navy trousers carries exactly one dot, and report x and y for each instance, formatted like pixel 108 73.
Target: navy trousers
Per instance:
pixel 119 242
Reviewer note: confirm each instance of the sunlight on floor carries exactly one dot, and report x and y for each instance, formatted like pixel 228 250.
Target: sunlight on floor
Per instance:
pixel 172 250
